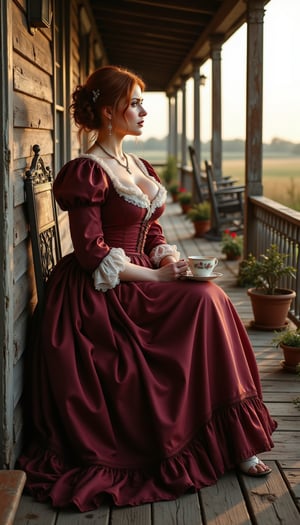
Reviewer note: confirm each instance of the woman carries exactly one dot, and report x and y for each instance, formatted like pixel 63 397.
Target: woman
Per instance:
pixel 145 386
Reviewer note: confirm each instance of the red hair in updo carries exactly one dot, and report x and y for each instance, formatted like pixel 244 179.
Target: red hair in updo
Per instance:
pixel 111 84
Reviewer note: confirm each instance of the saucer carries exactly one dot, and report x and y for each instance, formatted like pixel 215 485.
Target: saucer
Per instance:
pixel 213 275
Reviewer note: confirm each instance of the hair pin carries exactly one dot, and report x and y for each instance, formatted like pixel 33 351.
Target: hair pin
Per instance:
pixel 96 93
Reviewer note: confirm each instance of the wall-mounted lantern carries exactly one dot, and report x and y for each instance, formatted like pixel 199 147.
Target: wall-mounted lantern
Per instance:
pixel 39 13
pixel 203 79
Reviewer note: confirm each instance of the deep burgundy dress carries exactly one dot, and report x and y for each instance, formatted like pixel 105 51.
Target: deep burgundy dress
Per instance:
pixel 143 391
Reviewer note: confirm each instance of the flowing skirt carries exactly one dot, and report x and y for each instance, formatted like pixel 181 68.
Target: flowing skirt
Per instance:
pixel 140 393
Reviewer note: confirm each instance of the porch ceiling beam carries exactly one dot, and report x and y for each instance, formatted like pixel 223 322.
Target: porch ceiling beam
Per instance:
pixel 165 14
pixel 194 6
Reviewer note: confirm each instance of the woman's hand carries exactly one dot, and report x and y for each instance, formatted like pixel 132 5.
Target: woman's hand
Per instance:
pixel 171 271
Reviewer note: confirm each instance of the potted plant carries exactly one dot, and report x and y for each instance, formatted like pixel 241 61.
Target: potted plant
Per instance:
pixel 170 172
pixel 270 304
pixel 174 190
pixel 199 215
pixel 289 341
pixel 170 176
pixel 185 199
pixel 232 245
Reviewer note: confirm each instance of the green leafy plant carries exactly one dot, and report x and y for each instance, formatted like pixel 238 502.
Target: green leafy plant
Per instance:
pixel 170 173
pixel 185 197
pixel 296 402
pixel 232 243
pixel 199 212
pixel 265 271
pixel 288 337
pixel 174 189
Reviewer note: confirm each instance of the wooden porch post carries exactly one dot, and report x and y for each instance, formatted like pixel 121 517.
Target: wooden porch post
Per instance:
pixel 254 146
pixel 176 123
pixel 196 76
pixel 172 138
pixel 216 141
pixel 183 131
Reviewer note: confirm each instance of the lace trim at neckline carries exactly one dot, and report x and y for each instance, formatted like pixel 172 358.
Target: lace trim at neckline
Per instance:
pixel 133 194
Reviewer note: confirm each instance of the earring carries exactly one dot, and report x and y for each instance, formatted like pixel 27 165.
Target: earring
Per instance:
pixel 109 127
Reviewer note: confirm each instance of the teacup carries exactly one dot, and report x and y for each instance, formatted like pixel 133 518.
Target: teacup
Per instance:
pixel 202 266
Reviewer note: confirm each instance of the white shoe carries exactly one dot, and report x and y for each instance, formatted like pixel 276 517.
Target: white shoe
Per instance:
pixel 252 463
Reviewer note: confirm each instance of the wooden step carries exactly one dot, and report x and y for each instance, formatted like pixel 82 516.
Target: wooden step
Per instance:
pixel 11 487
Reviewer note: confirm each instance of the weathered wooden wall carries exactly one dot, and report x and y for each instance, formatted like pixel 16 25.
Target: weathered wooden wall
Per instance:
pixel 32 121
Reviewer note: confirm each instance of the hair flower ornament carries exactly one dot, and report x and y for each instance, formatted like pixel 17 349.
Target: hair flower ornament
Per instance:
pixel 95 93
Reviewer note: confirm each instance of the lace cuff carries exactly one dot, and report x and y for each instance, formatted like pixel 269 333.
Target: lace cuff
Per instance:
pixel 106 276
pixel 161 251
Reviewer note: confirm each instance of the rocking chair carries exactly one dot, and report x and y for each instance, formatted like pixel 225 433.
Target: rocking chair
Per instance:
pixel 227 205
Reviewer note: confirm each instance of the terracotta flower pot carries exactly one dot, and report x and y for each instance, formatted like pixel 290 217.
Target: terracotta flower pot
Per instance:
pixel 270 311
pixel 201 227
pixel 291 355
pixel 185 207
pixel 232 257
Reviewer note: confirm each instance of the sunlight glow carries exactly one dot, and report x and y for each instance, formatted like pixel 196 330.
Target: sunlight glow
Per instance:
pixel 281 103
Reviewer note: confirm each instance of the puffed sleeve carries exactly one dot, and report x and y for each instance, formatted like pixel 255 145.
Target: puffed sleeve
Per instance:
pixel 157 247
pixel 81 188
pixel 81 182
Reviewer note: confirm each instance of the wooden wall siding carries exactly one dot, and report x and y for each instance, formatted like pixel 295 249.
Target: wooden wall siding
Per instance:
pixel 25 138
pixel 30 114
pixel 75 70
pixel 32 122
pixel 35 48
pixel 28 79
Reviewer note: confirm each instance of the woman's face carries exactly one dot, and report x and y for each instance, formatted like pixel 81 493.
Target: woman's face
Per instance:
pixel 132 121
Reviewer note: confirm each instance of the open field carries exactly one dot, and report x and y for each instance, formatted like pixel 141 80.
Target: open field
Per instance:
pixel 281 175
pixel 281 178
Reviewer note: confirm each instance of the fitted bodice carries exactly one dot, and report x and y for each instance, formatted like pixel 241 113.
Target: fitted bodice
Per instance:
pixel 126 224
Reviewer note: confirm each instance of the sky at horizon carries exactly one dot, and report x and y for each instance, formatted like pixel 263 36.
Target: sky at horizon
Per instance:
pixel 281 80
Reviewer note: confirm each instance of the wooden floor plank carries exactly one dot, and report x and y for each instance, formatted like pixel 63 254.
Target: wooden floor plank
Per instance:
pixel 288 424
pixel 293 478
pixel 100 516
pixel 183 511
pixel 30 512
pixel 11 487
pixel 284 409
pixel 224 503
pixel 272 387
pixel 270 499
pixel 140 515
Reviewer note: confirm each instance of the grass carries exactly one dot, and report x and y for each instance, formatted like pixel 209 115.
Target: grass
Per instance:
pixel 281 176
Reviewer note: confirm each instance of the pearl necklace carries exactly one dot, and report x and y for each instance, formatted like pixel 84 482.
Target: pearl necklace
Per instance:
pixel 125 166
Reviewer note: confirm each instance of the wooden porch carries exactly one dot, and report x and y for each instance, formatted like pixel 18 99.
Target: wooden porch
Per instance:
pixel 235 499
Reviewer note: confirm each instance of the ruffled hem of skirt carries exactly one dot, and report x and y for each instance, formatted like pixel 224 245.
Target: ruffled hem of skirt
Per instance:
pixel 232 435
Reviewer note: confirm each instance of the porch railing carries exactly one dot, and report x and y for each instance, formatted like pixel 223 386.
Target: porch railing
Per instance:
pixel 272 223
